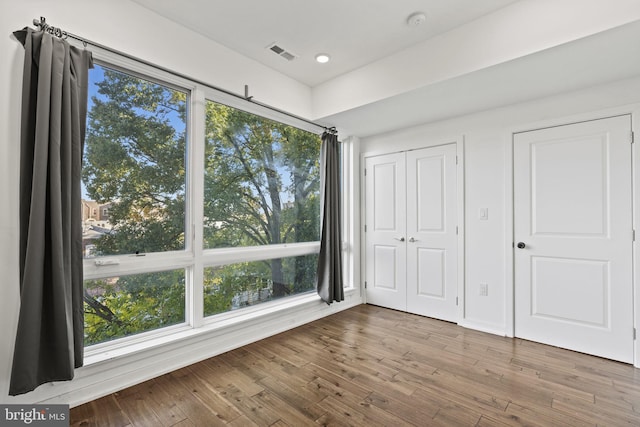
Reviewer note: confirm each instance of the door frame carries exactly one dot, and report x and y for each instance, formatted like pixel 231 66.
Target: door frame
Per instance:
pixel 460 208
pixel 508 139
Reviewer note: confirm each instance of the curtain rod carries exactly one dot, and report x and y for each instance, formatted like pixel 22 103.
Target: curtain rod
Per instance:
pixel 43 26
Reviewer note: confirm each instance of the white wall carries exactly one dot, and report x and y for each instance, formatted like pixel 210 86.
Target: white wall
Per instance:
pixel 487 137
pixel 125 26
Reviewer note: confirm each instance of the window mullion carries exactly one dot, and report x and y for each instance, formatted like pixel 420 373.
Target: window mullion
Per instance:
pixel 196 205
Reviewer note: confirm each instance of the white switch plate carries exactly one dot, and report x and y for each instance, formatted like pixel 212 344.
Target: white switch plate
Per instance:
pixel 483 214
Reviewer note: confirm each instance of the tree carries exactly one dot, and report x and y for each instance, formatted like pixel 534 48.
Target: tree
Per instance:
pixel 248 158
pixel 135 159
pixel 261 188
pixel 131 304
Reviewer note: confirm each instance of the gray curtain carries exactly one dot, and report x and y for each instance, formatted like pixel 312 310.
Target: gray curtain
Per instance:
pixel 330 286
pixel 49 342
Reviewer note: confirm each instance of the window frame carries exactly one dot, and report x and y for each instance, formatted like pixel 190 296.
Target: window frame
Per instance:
pixel 193 258
pixel 214 257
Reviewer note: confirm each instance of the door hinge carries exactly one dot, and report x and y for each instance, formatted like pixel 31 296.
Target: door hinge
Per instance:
pixel 365 228
pixel 365 172
pixel 456 229
pixel 456 301
pixel 633 235
pixel 456 160
pixel 633 137
pixel 634 333
pixel 365 285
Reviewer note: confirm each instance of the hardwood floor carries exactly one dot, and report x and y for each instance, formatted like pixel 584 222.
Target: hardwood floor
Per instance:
pixel 370 366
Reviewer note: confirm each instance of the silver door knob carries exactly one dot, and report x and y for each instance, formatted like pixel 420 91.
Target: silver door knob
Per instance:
pixel 413 240
pixel 521 245
pixel 400 239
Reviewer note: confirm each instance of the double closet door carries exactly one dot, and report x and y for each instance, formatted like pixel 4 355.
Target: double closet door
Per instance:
pixel 410 231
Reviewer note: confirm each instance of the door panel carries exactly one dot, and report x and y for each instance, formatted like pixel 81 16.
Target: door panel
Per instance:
pixel 385 219
pixel 556 282
pixel 573 212
pixel 428 191
pixel 385 188
pixel 576 204
pixel 431 278
pixel 431 232
pixel 384 265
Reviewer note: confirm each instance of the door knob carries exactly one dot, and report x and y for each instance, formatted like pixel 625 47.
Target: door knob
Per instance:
pixel 521 245
pixel 400 239
pixel 413 240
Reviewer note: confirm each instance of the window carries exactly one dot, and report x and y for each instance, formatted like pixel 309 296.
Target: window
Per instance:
pixel 235 225
pixel 134 166
pixel 262 181
pixel 235 286
pixel 134 159
pixel 117 307
pixel 261 188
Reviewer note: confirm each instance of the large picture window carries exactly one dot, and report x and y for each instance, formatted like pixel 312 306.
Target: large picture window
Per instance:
pixel 171 237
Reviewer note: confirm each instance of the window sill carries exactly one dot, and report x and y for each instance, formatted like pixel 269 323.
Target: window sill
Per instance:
pixel 217 326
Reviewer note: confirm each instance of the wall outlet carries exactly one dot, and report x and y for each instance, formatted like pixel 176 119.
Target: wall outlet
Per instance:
pixel 484 289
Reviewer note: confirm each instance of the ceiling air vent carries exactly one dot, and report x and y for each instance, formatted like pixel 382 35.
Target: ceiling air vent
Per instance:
pixel 280 51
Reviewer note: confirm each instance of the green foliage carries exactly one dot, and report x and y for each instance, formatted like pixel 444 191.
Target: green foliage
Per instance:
pixel 261 180
pixel 135 159
pixel 131 304
pixel 252 282
pixel 261 188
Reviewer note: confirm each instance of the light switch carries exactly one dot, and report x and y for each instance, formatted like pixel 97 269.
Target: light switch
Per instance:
pixel 483 214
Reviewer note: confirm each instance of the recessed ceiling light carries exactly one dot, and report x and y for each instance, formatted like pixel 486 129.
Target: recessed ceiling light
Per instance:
pixel 322 58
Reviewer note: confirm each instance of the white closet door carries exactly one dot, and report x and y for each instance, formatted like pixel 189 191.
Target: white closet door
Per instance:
pixel 573 231
pixel 385 195
pixel 431 232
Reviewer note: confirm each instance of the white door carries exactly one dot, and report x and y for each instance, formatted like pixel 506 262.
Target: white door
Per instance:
pixel 431 232
pixel 410 231
pixel 573 237
pixel 385 195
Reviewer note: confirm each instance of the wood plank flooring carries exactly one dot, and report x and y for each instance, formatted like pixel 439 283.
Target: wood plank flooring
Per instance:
pixel 370 366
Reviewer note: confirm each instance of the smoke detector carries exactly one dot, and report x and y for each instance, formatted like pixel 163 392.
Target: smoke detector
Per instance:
pixel 416 19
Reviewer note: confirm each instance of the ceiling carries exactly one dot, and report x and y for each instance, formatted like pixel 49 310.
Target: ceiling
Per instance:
pixel 353 32
pixel 360 33
pixel 599 59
